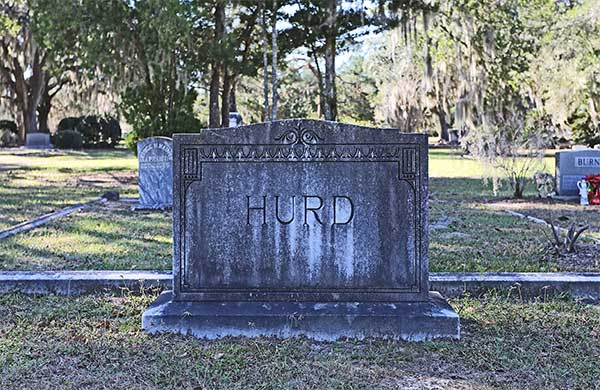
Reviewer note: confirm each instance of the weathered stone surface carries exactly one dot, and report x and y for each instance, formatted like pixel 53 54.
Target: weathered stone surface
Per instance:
pixel 300 211
pixel 38 141
pixel 326 321
pixel 572 166
pixel 155 157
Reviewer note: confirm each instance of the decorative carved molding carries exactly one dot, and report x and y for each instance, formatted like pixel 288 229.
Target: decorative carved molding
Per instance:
pixel 312 153
pixel 299 135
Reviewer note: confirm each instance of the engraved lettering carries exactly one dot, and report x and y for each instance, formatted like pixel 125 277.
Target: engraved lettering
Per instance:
pixel 277 210
pixel 350 213
pixel 313 209
pixel 263 208
pixel 587 162
pixel 338 210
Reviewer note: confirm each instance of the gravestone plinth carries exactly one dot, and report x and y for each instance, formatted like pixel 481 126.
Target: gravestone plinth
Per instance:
pixel 301 227
pixel 38 140
pixel 155 173
pixel 572 166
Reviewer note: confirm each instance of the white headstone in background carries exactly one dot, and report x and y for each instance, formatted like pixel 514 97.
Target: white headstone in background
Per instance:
pixel 235 119
pixel 155 158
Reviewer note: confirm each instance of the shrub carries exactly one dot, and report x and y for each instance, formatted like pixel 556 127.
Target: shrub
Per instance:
pixel 9 125
pixel 68 123
pixel 111 130
pixel 89 127
pixel 95 131
pixel 8 138
pixel 68 139
pixel 583 128
pixel 148 113
pixel 131 140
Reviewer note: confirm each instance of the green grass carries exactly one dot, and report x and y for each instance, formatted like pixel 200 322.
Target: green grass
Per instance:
pixel 482 236
pixel 102 237
pixel 95 342
pixel 33 183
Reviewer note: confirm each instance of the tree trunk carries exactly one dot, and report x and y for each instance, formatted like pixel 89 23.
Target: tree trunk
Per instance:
pixel 30 120
pixel 214 117
pixel 444 134
pixel 427 60
pixel 232 99
pixel 316 70
pixel 519 187
pixel 43 111
pixel 274 61
pixel 263 21
pixel 214 113
pixel 330 52
pixel 225 97
pixel 28 93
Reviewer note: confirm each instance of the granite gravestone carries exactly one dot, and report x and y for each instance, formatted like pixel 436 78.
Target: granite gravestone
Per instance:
pixel 155 159
pixel 572 166
pixel 38 140
pixel 301 227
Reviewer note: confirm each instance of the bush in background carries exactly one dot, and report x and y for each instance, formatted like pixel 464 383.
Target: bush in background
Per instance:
pixel 67 139
pixel 95 131
pixel 583 128
pixel 9 125
pixel 68 123
pixel 141 106
pixel 8 138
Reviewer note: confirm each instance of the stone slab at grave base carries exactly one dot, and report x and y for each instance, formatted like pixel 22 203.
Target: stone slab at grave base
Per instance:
pixel 411 321
pixel 566 198
pixel 38 141
pixel 159 207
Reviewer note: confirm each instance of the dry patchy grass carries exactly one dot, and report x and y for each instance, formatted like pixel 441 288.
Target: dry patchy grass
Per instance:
pixel 95 342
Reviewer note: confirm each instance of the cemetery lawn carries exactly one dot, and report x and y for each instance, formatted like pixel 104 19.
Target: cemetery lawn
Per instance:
pixel 477 236
pixel 95 342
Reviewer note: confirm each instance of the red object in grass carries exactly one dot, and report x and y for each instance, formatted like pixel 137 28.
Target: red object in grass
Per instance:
pixel 594 192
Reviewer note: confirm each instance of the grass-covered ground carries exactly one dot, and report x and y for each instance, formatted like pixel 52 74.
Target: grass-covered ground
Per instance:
pixel 95 342
pixel 33 183
pixel 481 236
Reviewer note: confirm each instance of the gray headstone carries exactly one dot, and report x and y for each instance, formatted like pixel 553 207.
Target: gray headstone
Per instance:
pixel 155 158
pixel 572 166
pixel 318 220
pixel 38 140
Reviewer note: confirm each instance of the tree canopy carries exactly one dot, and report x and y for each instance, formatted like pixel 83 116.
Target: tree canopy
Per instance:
pixel 420 65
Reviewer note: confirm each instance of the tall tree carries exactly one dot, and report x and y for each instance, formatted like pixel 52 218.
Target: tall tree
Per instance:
pixel 265 48
pixel 148 48
pixel 324 28
pixel 274 50
pixel 24 67
pixel 216 65
pixel 330 53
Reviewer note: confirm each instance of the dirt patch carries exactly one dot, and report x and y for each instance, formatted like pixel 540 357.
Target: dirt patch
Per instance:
pixel 104 180
pixel 563 212
pixel 586 258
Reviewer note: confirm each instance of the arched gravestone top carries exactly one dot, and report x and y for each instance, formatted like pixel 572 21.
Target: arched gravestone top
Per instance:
pixel 301 227
pixel 155 159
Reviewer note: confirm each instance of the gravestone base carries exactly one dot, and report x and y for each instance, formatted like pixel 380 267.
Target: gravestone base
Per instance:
pixel 323 321
pixel 566 198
